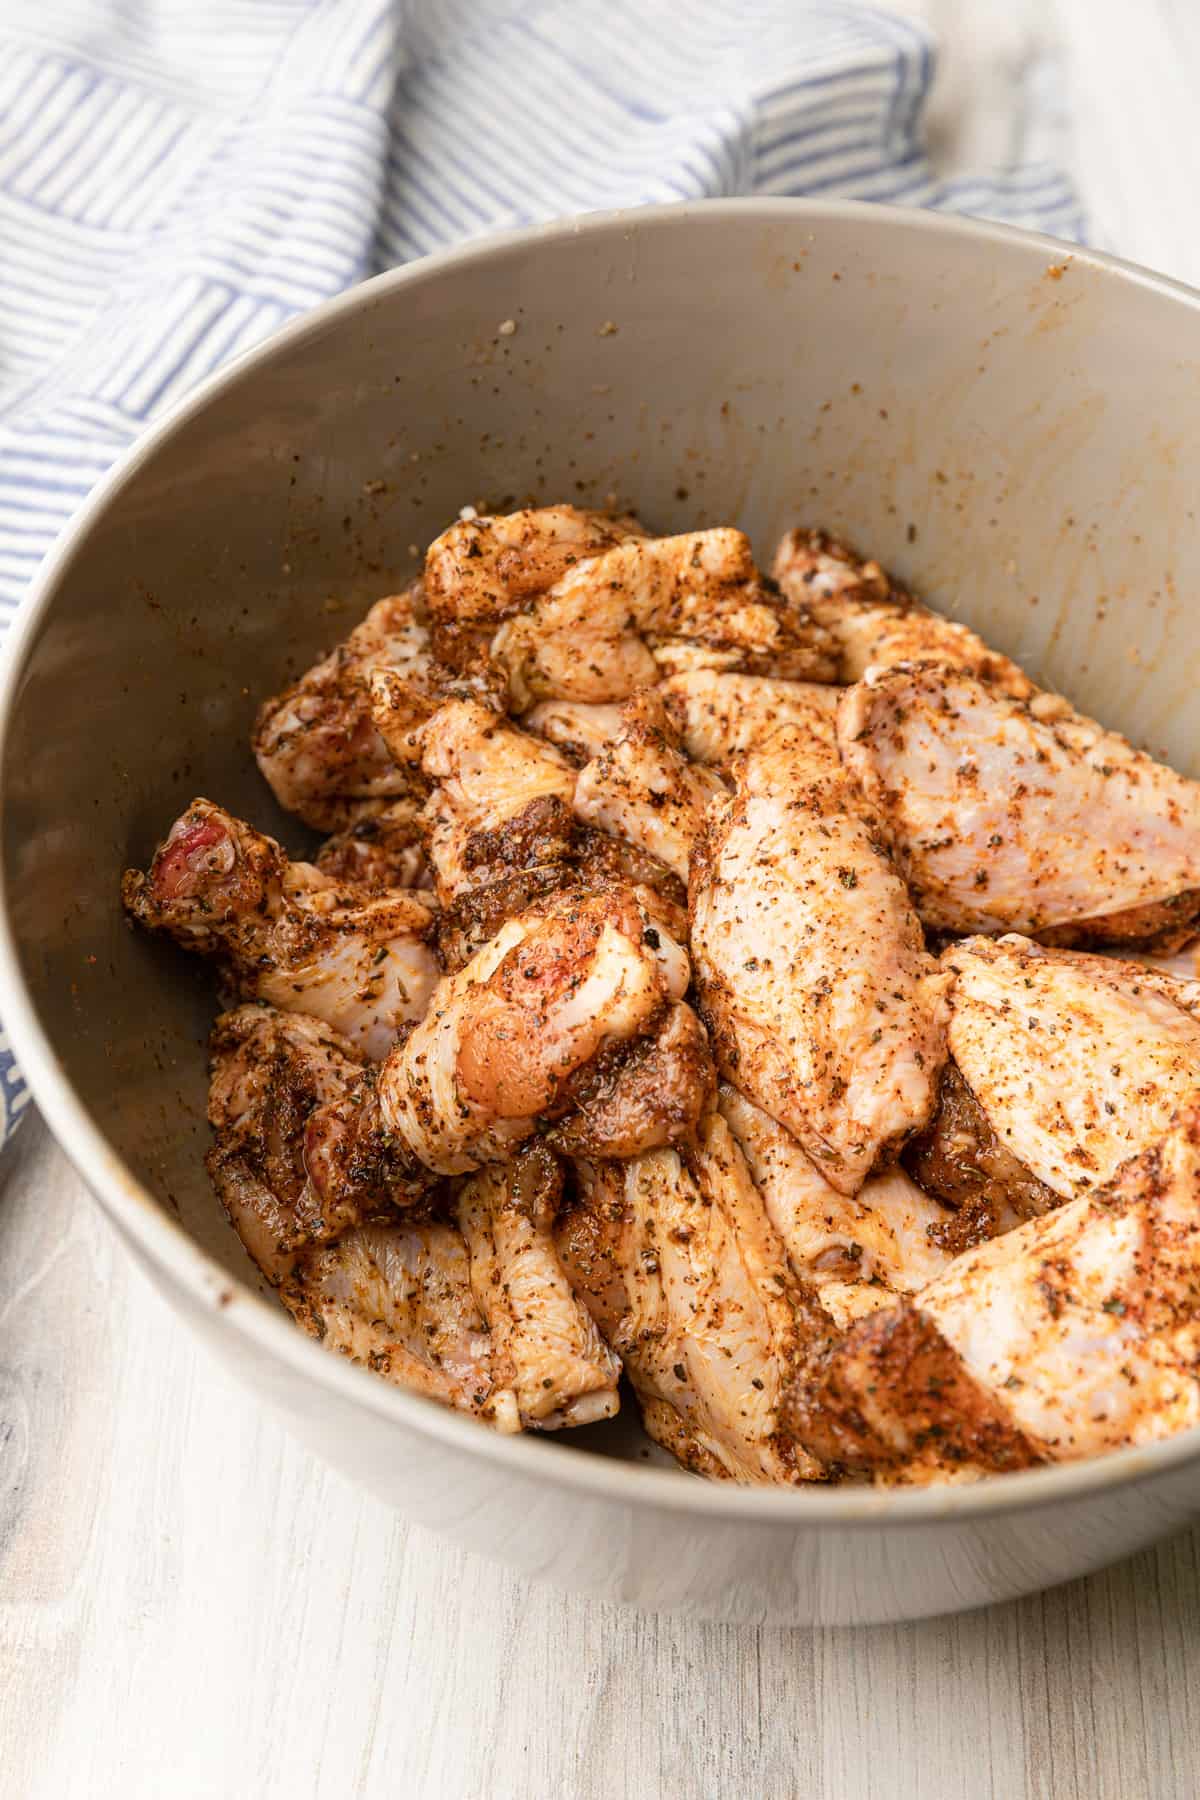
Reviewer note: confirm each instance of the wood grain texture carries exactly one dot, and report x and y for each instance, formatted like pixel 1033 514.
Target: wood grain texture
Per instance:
pixel 191 1605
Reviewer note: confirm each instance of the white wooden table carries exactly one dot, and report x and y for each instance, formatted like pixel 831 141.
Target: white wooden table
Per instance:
pixel 191 1605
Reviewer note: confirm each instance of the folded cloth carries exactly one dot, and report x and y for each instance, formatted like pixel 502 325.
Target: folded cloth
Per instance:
pixel 177 181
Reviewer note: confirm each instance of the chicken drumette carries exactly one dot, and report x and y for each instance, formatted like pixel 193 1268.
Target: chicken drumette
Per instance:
pixel 360 958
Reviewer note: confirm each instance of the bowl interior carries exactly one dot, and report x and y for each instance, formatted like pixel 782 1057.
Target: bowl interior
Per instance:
pixel 1005 424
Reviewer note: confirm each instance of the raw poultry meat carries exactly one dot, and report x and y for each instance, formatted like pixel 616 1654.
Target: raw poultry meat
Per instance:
pixel 687 1279
pixel 1004 821
pixel 1075 1062
pixel 856 1254
pixel 316 742
pixel 613 623
pixel 486 567
pixel 1072 1335
pixel 643 788
pixel 939 1220
pixel 472 1310
pixel 823 1004
pixel 719 715
pixel 358 957
pixel 874 623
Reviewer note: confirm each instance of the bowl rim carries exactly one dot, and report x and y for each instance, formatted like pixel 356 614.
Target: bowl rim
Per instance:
pixel 163 1239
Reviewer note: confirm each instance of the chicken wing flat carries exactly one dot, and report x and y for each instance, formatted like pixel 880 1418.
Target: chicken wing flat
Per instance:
pixel 483 569
pixel 1076 1062
pixel 856 1254
pixel 719 716
pixel 316 743
pixel 359 958
pixel 874 623
pixel 641 786
pixel 688 1282
pixel 1072 1335
pixel 543 1343
pixel 610 625
pixel 822 1003
pixel 1004 821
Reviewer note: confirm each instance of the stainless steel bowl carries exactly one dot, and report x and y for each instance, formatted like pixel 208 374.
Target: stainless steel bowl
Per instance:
pixel 1010 424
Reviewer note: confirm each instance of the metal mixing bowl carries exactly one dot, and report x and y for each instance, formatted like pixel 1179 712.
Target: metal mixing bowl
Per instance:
pixel 1009 424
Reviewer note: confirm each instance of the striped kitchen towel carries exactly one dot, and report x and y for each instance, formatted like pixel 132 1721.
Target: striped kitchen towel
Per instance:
pixel 177 180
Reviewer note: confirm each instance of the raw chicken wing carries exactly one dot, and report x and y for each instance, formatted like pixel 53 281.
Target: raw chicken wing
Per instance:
pixel 359 958
pixel 316 743
pixel 874 623
pixel 613 622
pixel 1004 821
pixel 855 1253
pixel 643 788
pixel 688 1282
pixel 719 716
pixel 483 569
pixel 1075 1334
pixel 544 1345
pixel 823 1005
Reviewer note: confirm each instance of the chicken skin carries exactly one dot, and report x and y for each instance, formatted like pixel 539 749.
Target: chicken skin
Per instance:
pixel 522 1031
pixel 875 624
pixel 822 1003
pixel 316 743
pixel 856 1254
pixel 689 1284
pixel 615 622
pixel 385 849
pixel 1004 821
pixel 643 788
pixel 719 716
pixel 1075 1334
pixel 544 1345
pixel 579 729
pixel 1076 1062
pixel 360 958
pixel 483 569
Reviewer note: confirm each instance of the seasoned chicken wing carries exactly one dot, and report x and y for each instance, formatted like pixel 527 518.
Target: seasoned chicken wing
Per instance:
pixel 510 1038
pixel 1075 1062
pixel 689 1284
pixel 385 849
pixel 875 623
pixel 387 1289
pixel 719 715
pixel 823 1005
pixel 1075 1334
pixel 316 743
pixel 1004 821
pixel 502 834
pixel 855 1253
pixel 500 798
pixel 544 1345
pixel 579 728
pixel 483 569
pixel 613 622
pixel 359 958
pixel 643 788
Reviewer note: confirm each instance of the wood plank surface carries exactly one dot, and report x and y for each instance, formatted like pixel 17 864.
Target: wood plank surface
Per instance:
pixel 191 1605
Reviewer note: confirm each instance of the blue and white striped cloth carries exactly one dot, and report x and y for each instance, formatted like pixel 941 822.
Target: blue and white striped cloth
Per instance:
pixel 178 180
